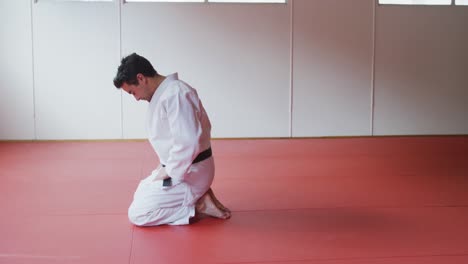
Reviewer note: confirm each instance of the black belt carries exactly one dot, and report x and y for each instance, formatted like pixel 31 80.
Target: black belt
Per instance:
pixel 203 156
pixel 200 157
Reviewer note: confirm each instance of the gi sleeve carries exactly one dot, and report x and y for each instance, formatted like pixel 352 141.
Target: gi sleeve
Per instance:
pixel 186 130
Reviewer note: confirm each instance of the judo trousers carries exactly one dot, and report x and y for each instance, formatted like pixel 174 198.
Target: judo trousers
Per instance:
pixel 154 204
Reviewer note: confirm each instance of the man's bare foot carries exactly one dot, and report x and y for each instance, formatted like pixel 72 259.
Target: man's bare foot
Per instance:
pixel 205 205
pixel 218 203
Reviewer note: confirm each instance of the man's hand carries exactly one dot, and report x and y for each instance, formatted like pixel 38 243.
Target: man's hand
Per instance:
pixel 161 174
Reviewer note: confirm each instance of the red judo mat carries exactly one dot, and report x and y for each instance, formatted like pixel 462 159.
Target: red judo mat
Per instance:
pixel 381 200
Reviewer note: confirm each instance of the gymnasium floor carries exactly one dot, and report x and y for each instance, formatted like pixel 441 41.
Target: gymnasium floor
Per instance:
pixel 324 201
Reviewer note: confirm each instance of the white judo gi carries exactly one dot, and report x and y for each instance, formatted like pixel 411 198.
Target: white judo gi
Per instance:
pixel 178 129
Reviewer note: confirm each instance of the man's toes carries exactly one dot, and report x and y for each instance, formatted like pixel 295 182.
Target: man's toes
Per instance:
pixel 227 215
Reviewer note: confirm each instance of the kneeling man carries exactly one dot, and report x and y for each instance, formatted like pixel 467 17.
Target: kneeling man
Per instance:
pixel 179 131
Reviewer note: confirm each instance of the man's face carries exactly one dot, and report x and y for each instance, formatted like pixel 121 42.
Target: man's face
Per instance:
pixel 140 91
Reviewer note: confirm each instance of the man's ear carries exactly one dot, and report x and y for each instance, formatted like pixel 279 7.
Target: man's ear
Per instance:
pixel 140 77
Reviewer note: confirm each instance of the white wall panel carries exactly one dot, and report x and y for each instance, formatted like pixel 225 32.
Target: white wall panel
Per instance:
pixel 76 51
pixel 332 67
pixel 235 55
pixel 16 74
pixel 421 80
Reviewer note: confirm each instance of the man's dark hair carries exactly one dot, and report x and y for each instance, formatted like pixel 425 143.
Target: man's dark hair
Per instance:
pixel 130 66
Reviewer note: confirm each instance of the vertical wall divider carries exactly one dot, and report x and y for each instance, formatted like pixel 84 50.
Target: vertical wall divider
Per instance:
pixel 33 69
pixel 119 7
pixel 374 37
pixel 291 65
